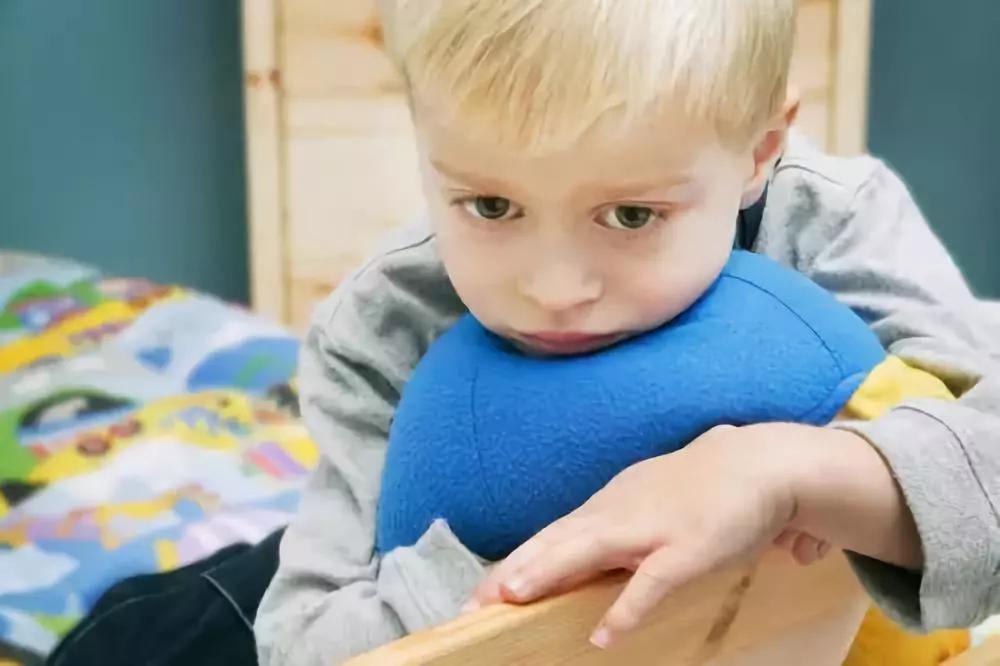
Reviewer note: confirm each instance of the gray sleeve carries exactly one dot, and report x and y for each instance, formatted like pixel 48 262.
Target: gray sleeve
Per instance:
pixel 329 599
pixel 882 259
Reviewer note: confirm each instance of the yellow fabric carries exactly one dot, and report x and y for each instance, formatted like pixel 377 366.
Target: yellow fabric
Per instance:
pixel 889 384
pixel 881 642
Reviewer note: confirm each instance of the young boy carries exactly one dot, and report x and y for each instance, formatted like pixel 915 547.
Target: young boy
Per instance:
pixel 586 163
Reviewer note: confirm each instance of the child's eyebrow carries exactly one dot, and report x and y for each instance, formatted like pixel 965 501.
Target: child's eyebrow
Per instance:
pixel 473 180
pixel 605 192
pixel 631 190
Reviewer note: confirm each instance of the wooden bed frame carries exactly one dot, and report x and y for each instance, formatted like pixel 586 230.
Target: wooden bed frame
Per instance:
pixel 774 613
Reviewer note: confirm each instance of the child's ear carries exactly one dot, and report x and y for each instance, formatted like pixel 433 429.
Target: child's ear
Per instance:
pixel 768 148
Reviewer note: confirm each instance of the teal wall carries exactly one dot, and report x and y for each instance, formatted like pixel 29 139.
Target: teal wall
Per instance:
pixel 121 137
pixel 935 115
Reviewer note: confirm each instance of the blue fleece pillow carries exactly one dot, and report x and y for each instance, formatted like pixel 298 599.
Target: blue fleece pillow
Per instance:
pixel 501 444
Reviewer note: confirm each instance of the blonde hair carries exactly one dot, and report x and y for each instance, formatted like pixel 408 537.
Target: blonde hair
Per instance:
pixel 536 74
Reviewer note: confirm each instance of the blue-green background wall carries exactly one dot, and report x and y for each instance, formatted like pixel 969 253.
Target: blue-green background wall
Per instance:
pixel 935 115
pixel 121 136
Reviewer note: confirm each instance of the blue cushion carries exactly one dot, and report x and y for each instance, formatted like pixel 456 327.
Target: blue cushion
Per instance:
pixel 501 444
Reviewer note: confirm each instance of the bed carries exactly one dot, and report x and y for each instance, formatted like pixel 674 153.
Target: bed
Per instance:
pixel 142 427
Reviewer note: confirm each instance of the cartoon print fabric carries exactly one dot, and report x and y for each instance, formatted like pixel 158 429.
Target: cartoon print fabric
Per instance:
pixel 142 427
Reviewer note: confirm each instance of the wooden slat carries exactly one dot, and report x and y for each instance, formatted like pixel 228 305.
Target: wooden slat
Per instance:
pixel 350 115
pixel 325 17
pixel 814 120
pixel 357 183
pixel 777 613
pixel 304 295
pixel 325 66
pixel 334 47
pixel 849 102
pixel 344 193
pixel 812 67
pixel 265 169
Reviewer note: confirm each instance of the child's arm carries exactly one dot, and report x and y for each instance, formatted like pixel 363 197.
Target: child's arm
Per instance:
pixel 718 501
pixel 881 258
pixel 328 600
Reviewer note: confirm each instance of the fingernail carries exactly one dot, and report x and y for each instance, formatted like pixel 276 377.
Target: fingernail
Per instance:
pixel 601 638
pixel 518 587
pixel 470 606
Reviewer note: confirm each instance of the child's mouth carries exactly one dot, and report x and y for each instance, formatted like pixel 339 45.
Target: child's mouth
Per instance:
pixel 564 343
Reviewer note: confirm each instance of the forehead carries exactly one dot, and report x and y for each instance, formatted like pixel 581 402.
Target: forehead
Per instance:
pixel 610 151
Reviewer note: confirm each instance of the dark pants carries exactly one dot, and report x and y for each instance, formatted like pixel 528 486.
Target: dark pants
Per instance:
pixel 201 614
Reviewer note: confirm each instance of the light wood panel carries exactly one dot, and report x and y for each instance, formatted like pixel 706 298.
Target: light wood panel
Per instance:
pixel 349 150
pixel 330 146
pixel 849 94
pixel 344 193
pixel 334 48
pixel 812 63
pixel 775 613
pixel 814 117
pixel 265 168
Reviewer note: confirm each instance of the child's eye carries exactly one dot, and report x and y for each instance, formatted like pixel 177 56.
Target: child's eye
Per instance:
pixel 491 208
pixel 628 218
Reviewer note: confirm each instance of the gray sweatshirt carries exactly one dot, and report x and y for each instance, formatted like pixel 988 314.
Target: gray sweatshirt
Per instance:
pixel 849 224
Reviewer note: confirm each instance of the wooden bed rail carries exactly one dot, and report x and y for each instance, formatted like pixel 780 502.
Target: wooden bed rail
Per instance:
pixel 773 613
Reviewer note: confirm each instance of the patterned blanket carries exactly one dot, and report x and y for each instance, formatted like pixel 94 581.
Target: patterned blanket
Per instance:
pixel 142 427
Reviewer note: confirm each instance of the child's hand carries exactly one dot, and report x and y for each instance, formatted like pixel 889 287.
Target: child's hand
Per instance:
pixel 669 519
pixel 724 498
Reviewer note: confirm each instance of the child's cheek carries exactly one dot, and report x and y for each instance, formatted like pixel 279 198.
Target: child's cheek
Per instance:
pixel 666 289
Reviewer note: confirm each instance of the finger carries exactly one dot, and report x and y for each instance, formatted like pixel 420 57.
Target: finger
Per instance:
pixel 488 595
pixel 786 540
pixel 573 582
pixel 558 532
pixel 592 551
pixel 489 592
pixel 821 549
pixel 660 574
pixel 807 549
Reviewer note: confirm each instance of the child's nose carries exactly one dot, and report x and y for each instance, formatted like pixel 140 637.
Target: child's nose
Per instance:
pixel 559 287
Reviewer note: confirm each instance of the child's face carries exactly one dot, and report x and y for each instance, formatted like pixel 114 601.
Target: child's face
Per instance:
pixel 576 250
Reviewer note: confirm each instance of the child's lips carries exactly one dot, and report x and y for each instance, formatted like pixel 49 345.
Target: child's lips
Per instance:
pixel 567 342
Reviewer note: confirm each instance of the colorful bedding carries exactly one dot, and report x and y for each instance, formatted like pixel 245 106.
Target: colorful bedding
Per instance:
pixel 142 427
